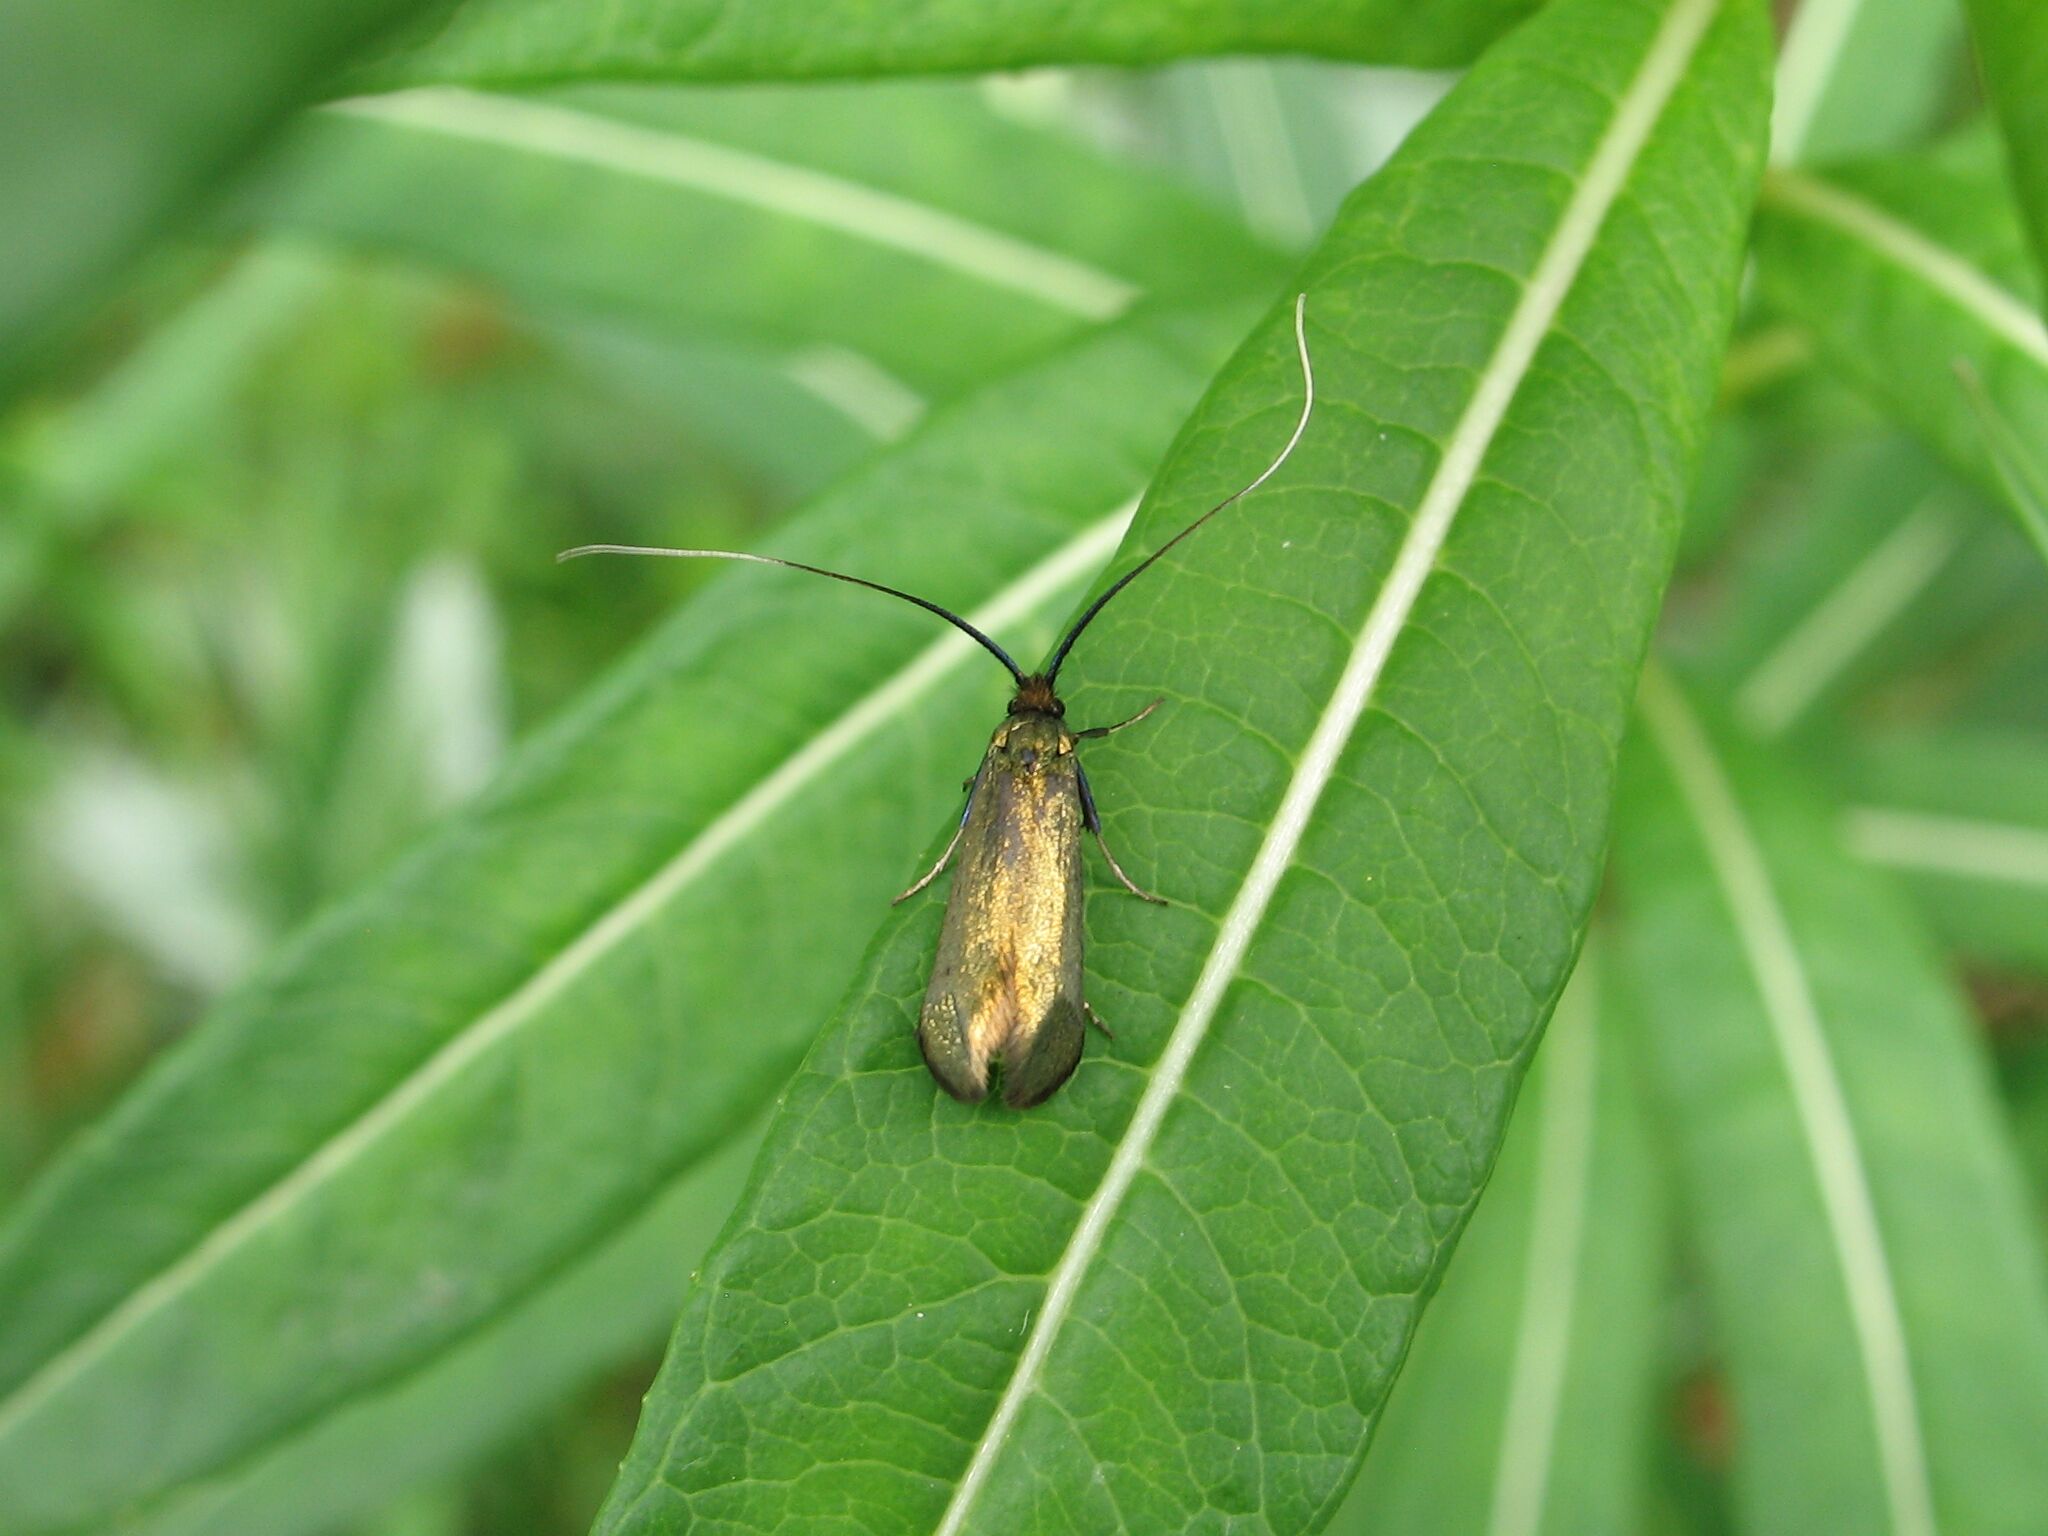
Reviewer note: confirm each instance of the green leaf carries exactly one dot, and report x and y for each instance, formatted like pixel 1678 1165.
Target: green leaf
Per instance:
pixel 539 41
pixel 908 224
pixel 1876 1281
pixel 1525 1403
pixel 1846 582
pixel 2013 460
pixel 1376 797
pixel 605 1310
pixel 797 424
pixel 2024 1077
pixel 1960 815
pixel 114 116
pixel 165 390
pixel 1871 583
pixel 1858 76
pixel 2012 53
pixel 76 462
pixel 476 1069
pixel 1904 268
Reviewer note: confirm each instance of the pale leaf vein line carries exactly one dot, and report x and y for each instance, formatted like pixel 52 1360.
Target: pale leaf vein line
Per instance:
pixel 2009 853
pixel 1853 613
pixel 2003 313
pixel 740 176
pixel 1835 1154
pixel 1557 1223
pixel 1814 44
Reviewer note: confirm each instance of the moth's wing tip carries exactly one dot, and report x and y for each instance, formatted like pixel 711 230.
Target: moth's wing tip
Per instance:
pixel 1032 1076
pixel 943 1043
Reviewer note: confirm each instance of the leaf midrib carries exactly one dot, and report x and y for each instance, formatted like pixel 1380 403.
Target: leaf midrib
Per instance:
pixel 1970 847
pixel 1807 62
pixel 718 170
pixel 1835 630
pixel 1550 1285
pixel 2000 311
pixel 1636 113
pixel 877 710
pixel 1768 947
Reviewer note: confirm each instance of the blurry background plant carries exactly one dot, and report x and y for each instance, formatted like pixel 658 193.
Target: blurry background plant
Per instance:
pixel 305 396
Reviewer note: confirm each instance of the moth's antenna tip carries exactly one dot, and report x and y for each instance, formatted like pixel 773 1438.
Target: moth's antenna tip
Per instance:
pixel 1308 405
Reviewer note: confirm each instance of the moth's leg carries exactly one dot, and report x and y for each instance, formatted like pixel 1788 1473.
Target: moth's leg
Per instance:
pixel 1106 730
pixel 947 857
pixel 1093 823
pixel 1096 1019
pixel 937 869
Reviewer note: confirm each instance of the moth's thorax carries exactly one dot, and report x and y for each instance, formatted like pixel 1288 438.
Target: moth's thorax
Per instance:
pixel 1031 745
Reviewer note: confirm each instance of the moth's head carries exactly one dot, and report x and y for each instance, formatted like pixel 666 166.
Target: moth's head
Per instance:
pixel 1035 697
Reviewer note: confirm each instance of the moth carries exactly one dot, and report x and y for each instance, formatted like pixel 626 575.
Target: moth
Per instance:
pixel 1006 985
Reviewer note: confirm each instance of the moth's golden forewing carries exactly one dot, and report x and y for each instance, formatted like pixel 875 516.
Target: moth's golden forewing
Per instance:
pixel 1006 980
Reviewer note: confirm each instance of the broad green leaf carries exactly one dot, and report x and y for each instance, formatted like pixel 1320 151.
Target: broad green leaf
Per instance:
pixel 1961 816
pixel 114 116
pixel 1175 1295
pixel 481 1066
pixel 1903 269
pixel 543 41
pixel 605 1310
pixel 907 224
pixel 1525 1403
pixel 1877 1284
pixel 2012 52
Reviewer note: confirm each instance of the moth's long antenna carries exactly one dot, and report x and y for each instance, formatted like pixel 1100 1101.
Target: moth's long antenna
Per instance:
pixel 1308 404
pixel 947 614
